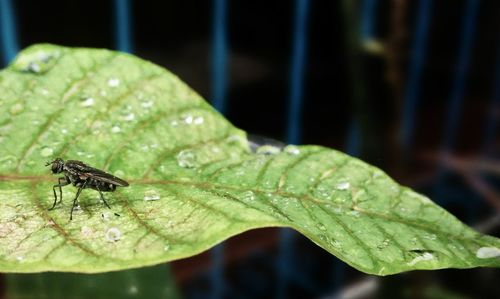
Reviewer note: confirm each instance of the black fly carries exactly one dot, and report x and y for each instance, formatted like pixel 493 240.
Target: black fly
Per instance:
pixel 83 176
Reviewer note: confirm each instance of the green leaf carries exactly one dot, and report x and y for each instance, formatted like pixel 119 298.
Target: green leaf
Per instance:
pixel 193 179
pixel 149 282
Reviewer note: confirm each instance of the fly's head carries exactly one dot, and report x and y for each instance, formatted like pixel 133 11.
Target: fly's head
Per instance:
pixel 57 165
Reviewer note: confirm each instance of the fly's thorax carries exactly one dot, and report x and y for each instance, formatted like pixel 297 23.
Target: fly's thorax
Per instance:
pixel 72 176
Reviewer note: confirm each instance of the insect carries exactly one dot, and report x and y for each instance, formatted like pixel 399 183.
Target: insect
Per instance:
pixel 82 176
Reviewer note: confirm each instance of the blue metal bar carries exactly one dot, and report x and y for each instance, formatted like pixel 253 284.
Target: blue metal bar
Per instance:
pixel 415 73
pixel 217 272
pixel 339 273
pixel 285 262
pixel 219 89
pixel 491 128
pixel 294 129
pixel 353 146
pixel 219 55
pixel 368 14
pixel 10 45
pixel 123 21
pixel 456 99
pixel 457 95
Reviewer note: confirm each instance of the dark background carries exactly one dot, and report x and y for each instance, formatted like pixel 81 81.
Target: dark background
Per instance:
pixel 355 90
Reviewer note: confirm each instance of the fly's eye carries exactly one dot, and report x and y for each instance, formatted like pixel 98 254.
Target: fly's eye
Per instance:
pixel 55 167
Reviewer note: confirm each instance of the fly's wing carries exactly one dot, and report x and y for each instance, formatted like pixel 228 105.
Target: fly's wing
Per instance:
pixel 105 177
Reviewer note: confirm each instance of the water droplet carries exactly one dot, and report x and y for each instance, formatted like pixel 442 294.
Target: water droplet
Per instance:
pixel 430 236
pixel 113 82
pixel 188 119
pixel 116 129
pixel 151 195
pixel 129 117
pixel 268 150
pixel 335 243
pixel 36 61
pixel 384 244
pixel 488 252
pixel 87 102
pixel 17 108
pixel 46 152
pixel 343 186
pixel 233 139
pixel 199 120
pixel 113 234
pixel 248 196
pixel 187 159
pixel 354 213
pixel 105 216
pixel 215 149
pixel 147 104
pixel 292 150
pixel 425 256
pixel 321 226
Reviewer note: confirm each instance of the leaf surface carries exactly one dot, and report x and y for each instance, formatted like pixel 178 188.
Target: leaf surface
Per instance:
pixel 193 179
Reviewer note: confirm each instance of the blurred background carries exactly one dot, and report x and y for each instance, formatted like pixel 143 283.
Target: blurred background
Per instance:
pixel 412 87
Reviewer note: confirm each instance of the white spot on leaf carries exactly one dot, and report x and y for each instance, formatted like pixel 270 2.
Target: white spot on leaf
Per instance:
pixel 116 129
pixel 151 195
pixel 187 159
pixel 488 252
pixel 426 256
pixel 268 150
pixel 292 150
pixel 113 82
pixel 129 117
pixel 88 102
pixel 188 119
pixel 113 234
pixel 46 152
pixel 343 186
pixel 199 120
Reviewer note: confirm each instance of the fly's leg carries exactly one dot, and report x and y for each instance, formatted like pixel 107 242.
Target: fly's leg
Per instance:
pixel 102 196
pixel 76 197
pixel 60 185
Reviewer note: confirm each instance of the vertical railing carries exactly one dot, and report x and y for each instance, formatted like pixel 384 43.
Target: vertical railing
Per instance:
pixel 219 90
pixel 413 86
pixel 294 128
pixel 123 26
pixel 219 55
pixel 9 36
pixel 368 16
pixel 455 102
pixel 457 94
pixel 491 126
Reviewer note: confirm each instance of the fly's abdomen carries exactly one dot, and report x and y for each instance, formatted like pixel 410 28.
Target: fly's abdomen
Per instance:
pixel 103 186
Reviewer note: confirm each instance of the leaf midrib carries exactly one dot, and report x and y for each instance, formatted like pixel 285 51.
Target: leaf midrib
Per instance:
pixel 207 186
